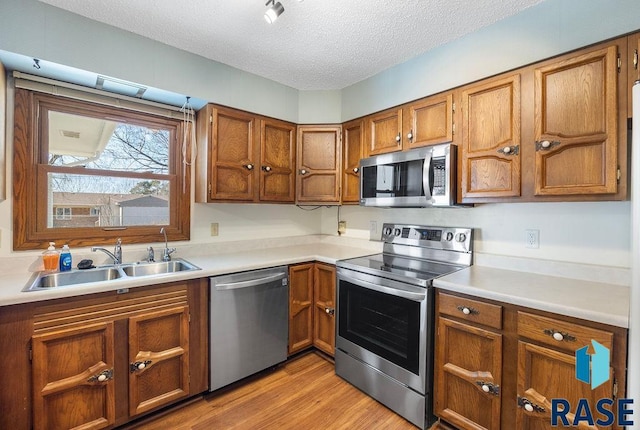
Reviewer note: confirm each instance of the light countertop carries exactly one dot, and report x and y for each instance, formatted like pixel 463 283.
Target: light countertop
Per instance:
pixel 593 301
pixel 11 285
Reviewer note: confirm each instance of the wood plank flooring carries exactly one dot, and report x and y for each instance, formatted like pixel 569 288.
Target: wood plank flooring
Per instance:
pixel 304 393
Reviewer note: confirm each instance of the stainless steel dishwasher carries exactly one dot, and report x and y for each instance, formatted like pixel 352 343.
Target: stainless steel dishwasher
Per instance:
pixel 248 323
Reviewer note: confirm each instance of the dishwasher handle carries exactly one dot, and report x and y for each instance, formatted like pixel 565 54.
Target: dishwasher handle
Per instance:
pixel 251 282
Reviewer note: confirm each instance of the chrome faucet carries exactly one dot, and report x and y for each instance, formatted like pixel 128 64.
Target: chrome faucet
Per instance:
pixel 116 255
pixel 166 253
pixel 151 256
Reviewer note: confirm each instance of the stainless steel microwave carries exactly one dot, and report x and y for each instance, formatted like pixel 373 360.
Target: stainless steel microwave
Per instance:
pixel 422 177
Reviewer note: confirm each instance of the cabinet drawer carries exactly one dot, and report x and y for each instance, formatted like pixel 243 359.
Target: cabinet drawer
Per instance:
pixel 561 334
pixel 471 310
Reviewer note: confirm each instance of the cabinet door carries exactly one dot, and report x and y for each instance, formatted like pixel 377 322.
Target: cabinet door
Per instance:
pixel 545 374
pixel 277 161
pixel 324 299
pixel 468 375
pixel 430 121
pixel 300 307
pixel 352 141
pixel 158 358
pixel 233 156
pixel 491 139
pixel 384 132
pixel 318 164
pixel 73 385
pixel 576 137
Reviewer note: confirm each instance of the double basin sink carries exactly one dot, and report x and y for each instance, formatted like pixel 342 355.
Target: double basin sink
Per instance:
pixel 44 281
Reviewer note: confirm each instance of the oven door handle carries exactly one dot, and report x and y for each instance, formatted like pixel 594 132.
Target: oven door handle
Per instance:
pixel 416 297
pixel 426 170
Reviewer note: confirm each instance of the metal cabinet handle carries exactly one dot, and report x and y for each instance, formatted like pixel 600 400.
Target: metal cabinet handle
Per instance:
pixel 105 375
pixel 510 150
pixel 528 406
pixel 356 170
pixel 468 310
pixel 544 145
pixel 266 168
pixel 410 135
pixel 303 172
pixel 139 365
pixel 489 387
pixel 559 335
pixel 330 311
pixel 398 138
pixel 249 166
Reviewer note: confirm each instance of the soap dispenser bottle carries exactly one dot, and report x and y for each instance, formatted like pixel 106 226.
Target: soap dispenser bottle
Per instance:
pixel 65 259
pixel 50 258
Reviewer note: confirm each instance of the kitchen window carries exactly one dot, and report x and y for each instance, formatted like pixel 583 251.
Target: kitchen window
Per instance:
pixel 122 172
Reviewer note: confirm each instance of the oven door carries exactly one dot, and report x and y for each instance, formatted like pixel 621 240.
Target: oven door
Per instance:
pixel 386 324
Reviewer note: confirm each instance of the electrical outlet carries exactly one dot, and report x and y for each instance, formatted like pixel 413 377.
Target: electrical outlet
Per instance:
pixel 214 229
pixel 532 239
pixel 342 227
pixel 373 230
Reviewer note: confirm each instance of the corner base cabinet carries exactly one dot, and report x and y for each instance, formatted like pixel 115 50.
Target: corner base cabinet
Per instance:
pixel 312 302
pixel 101 360
pixel 498 366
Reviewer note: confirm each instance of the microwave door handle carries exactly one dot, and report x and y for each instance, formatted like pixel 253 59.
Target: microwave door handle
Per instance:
pixel 426 168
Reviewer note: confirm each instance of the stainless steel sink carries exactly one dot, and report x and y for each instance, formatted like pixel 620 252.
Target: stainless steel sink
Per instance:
pixel 44 280
pixel 160 268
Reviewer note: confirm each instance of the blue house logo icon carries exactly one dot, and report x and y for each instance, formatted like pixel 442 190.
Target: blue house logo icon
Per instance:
pixel 592 367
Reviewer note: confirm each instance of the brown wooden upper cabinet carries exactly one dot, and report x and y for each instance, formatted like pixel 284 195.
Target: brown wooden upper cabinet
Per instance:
pixel 576 124
pixel 243 157
pixel 384 132
pixel 352 152
pixel 491 138
pixel 428 121
pixel 318 164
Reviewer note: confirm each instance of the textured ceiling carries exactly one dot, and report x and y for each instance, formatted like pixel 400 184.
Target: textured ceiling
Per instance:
pixel 315 44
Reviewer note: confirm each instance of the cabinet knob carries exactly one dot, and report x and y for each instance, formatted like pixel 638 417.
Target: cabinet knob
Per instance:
pixel 559 336
pixel 398 138
pixel 528 406
pixel 138 365
pixel 105 375
pixel 510 150
pixel 356 170
pixel 249 166
pixel 489 387
pixel 543 145
pixel 330 311
pixel 410 135
pixel 303 172
pixel 266 168
pixel 467 310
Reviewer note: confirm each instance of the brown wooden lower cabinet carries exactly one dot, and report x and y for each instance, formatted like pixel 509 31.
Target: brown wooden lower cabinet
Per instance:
pixel 498 366
pixel 100 360
pixel 312 301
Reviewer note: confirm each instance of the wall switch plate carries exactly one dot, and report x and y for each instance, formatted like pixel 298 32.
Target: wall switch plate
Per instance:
pixel 532 239
pixel 342 227
pixel 214 229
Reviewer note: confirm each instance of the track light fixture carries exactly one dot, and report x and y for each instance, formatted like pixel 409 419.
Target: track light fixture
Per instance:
pixel 274 11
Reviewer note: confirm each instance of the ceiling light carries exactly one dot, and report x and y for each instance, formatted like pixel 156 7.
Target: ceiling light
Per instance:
pixel 274 11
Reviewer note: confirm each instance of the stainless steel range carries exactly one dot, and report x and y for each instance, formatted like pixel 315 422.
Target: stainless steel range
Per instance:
pixel 385 328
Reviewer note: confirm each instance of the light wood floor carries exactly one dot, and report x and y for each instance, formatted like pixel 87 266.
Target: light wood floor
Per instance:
pixel 304 393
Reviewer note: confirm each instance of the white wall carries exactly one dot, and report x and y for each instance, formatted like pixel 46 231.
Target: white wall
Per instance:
pixel 320 107
pixel 542 31
pixel 590 232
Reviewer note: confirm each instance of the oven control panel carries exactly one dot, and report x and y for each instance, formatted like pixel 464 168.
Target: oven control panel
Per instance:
pixel 448 238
